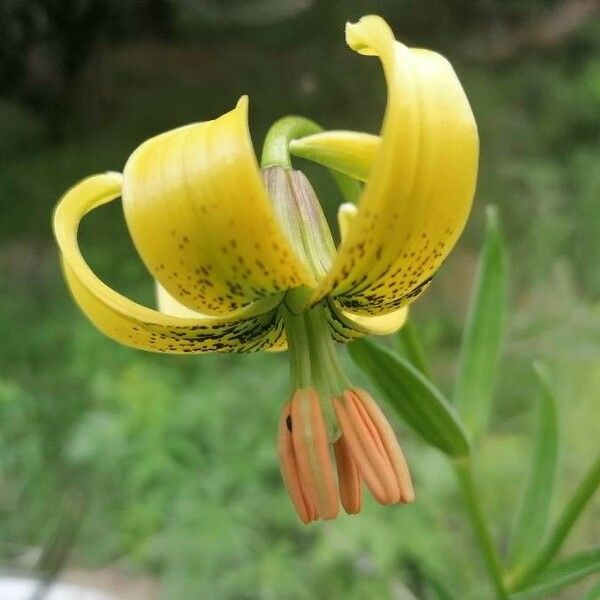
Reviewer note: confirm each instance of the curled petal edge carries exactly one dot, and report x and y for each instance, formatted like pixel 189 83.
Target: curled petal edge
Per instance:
pixel 254 328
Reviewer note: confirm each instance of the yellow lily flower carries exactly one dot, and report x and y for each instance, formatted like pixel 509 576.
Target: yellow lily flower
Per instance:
pixel 244 260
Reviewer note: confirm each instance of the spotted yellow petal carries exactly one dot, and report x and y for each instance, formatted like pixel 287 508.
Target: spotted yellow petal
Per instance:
pixel 421 185
pixel 345 324
pixel 255 327
pixel 377 325
pixel 349 152
pixel 171 306
pixel 201 220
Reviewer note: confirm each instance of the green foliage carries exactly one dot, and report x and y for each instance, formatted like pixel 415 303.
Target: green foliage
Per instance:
pixel 534 511
pixel 561 574
pixel 413 397
pixel 572 511
pixel 541 175
pixel 482 341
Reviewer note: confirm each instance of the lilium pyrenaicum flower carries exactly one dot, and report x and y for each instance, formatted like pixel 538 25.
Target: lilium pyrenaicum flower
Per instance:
pixel 244 259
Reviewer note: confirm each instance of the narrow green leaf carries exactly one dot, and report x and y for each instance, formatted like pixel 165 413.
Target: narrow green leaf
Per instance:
pixel 582 494
pixel 562 574
pixel 410 346
pixel 532 516
pixel 413 397
pixel 482 341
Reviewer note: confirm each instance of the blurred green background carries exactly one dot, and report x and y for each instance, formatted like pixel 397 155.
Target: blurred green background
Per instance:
pixel 157 476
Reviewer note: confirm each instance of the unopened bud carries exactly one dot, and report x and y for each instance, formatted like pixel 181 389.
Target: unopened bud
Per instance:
pixel 301 217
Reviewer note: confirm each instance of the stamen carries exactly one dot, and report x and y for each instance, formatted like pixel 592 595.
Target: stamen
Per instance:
pixel 348 477
pixel 393 450
pixel 325 405
pixel 373 466
pixel 311 449
pixel 289 469
pixel 374 448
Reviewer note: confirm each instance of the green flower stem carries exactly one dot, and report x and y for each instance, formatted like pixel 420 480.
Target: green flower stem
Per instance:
pixel 277 141
pixel 276 151
pixel 297 340
pixel 583 494
pixel 464 474
pixel 410 342
pixel 326 354
pixel 322 352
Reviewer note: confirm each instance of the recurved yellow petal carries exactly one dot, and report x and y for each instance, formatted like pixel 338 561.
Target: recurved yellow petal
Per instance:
pixel 171 306
pixel 349 152
pixel 201 220
pixel 346 326
pixel 255 327
pixel 378 325
pixel 422 181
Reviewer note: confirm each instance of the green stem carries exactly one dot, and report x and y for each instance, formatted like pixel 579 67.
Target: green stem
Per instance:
pixel 277 141
pixel 410 343
pixel 325 354
pixel 276 151
pixel 300 369
pixel 583 494
pixel 463 470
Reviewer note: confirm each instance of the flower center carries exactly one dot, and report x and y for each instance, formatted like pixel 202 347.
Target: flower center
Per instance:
pixel 326 418
pixel 313 359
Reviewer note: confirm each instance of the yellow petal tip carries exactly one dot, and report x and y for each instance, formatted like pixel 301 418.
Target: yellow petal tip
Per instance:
pixel 346 215
pixel 242 103
pixel 368 34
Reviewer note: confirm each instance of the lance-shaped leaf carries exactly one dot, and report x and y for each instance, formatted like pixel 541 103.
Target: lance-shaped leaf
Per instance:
pixel 480 352
pixel 562 574
pixel 409 344
pixel 413 397
pixel 532 516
